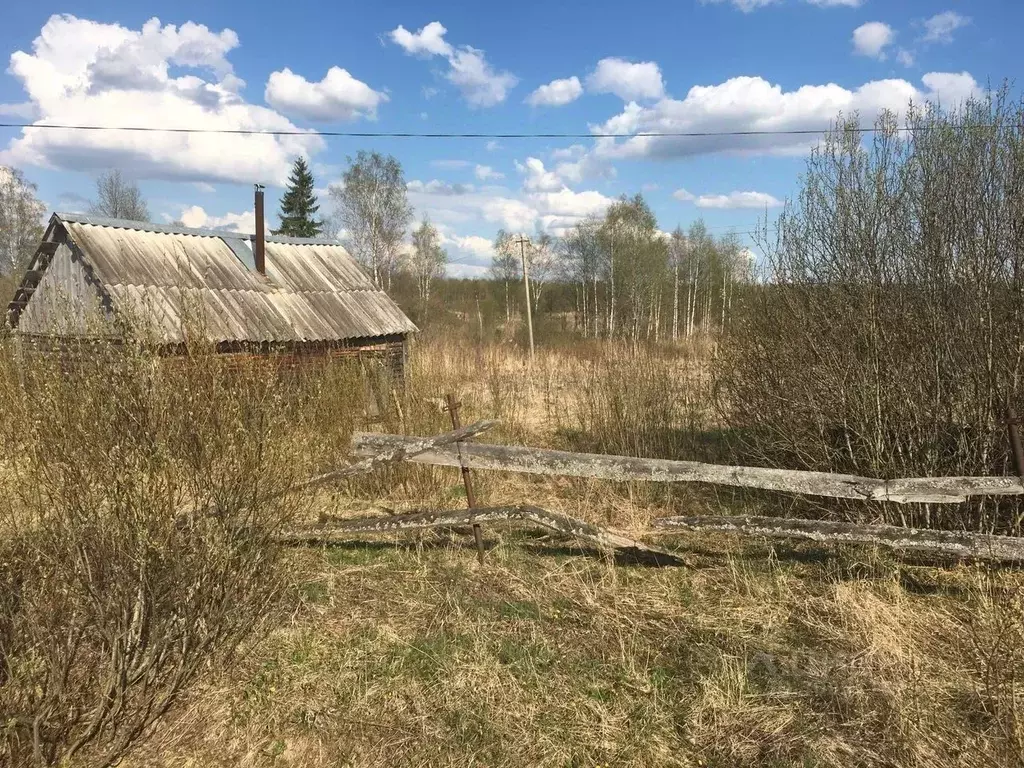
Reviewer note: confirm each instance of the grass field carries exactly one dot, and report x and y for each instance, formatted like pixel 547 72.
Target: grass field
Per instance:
pixel 404 651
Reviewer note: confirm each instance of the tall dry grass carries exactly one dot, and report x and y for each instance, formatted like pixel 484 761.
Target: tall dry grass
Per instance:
pixel 137 509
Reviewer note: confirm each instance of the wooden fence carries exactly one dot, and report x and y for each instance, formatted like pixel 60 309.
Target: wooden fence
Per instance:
pixel 451 450
pixel 933 490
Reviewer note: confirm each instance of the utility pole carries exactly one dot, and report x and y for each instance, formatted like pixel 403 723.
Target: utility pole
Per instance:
pixel 526 284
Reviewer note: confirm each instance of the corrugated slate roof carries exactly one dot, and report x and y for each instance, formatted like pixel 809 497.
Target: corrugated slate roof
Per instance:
pixel 313 289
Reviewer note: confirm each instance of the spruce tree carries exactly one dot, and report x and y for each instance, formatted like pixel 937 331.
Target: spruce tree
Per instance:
pixel 298 205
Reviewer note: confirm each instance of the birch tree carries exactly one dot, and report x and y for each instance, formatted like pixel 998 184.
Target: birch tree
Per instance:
pixel 371 204
pixel 119 198
pixel 21 220
pixel 505 267
pixel 426 261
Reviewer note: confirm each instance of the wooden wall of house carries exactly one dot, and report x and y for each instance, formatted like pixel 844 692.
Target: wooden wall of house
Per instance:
pixel 64 303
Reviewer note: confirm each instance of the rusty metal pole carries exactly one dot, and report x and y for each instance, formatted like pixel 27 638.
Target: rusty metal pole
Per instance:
pixel 467 478
pixel 1012 422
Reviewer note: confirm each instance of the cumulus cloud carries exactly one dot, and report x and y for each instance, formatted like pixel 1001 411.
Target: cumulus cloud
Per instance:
pixel 338 96
pixel 429 41
pixel 543 201
pixel 86 72
pixel 557 93
pixel 481 85
pixel 196 217
pixel 754 104
pixel 940 27
pixel 872 39
pixel 486 173
pixel 537 177
pixel 627 80
pixel 729 201
pixel 905 57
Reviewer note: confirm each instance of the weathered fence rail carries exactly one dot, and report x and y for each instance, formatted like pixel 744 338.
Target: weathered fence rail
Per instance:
pixel 955 543
pixel 932 490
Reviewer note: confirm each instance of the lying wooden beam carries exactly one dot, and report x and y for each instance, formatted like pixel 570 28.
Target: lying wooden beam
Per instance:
pixel 391 454
pixel 933 490
pixel 337 531
pixel 958 544
pixel 388 455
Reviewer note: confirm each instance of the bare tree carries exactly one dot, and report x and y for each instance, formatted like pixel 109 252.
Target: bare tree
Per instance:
pixel 427 260
pixel 677 255
pixel 119 198
pixel 540 256
pixel 372 206
pixel 579 257
pixel 21 215
pixel 505 266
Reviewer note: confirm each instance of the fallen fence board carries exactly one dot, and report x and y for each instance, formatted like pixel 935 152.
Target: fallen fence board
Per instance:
pixel 933 490
pixel 337 531
pixel 404 451
pixel 959 544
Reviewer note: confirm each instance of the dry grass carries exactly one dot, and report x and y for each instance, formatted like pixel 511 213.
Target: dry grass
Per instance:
pixel 405 652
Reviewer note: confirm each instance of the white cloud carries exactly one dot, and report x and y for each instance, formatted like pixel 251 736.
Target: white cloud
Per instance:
pixel 481 246
pixel 538 179
pixel 429 41
pixel 196 217
pixel 86 72
pixel 544 201
pixel 338 96
pixel 481 86
pixel 836 3
pixel 493 146
pixel 438 187
pixel 940 27
pixel 557 93
pixel 905 57
pixel 486 173
pixel 754 104
pixel 469 71
pixel 587 166
pixel 951 87
pixel 627 80
pixel 730 201
pixel 872 39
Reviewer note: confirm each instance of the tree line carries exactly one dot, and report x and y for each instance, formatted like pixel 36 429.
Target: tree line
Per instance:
pixel 629 279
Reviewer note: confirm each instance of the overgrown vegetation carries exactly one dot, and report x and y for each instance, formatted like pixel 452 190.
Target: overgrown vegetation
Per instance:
pixel 889 337
pixel 138 514
pixel 883 341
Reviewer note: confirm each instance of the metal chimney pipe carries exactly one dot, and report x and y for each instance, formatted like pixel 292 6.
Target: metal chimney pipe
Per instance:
pixel 259 244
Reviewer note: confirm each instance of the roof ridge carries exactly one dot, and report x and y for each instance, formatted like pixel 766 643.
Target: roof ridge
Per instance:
pixel 147 226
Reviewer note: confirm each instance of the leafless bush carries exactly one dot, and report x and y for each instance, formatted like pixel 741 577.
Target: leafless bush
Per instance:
pixel 889 333
pixel 117 587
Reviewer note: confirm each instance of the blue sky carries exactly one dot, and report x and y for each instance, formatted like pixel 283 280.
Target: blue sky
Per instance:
pixel 671 65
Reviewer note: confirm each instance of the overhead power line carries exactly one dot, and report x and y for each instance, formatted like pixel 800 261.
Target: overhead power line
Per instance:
pixel 424 135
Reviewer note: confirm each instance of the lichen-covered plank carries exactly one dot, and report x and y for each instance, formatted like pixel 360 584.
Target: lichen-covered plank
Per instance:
pixel 942 490
pixel 335 531
pixel 956 543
